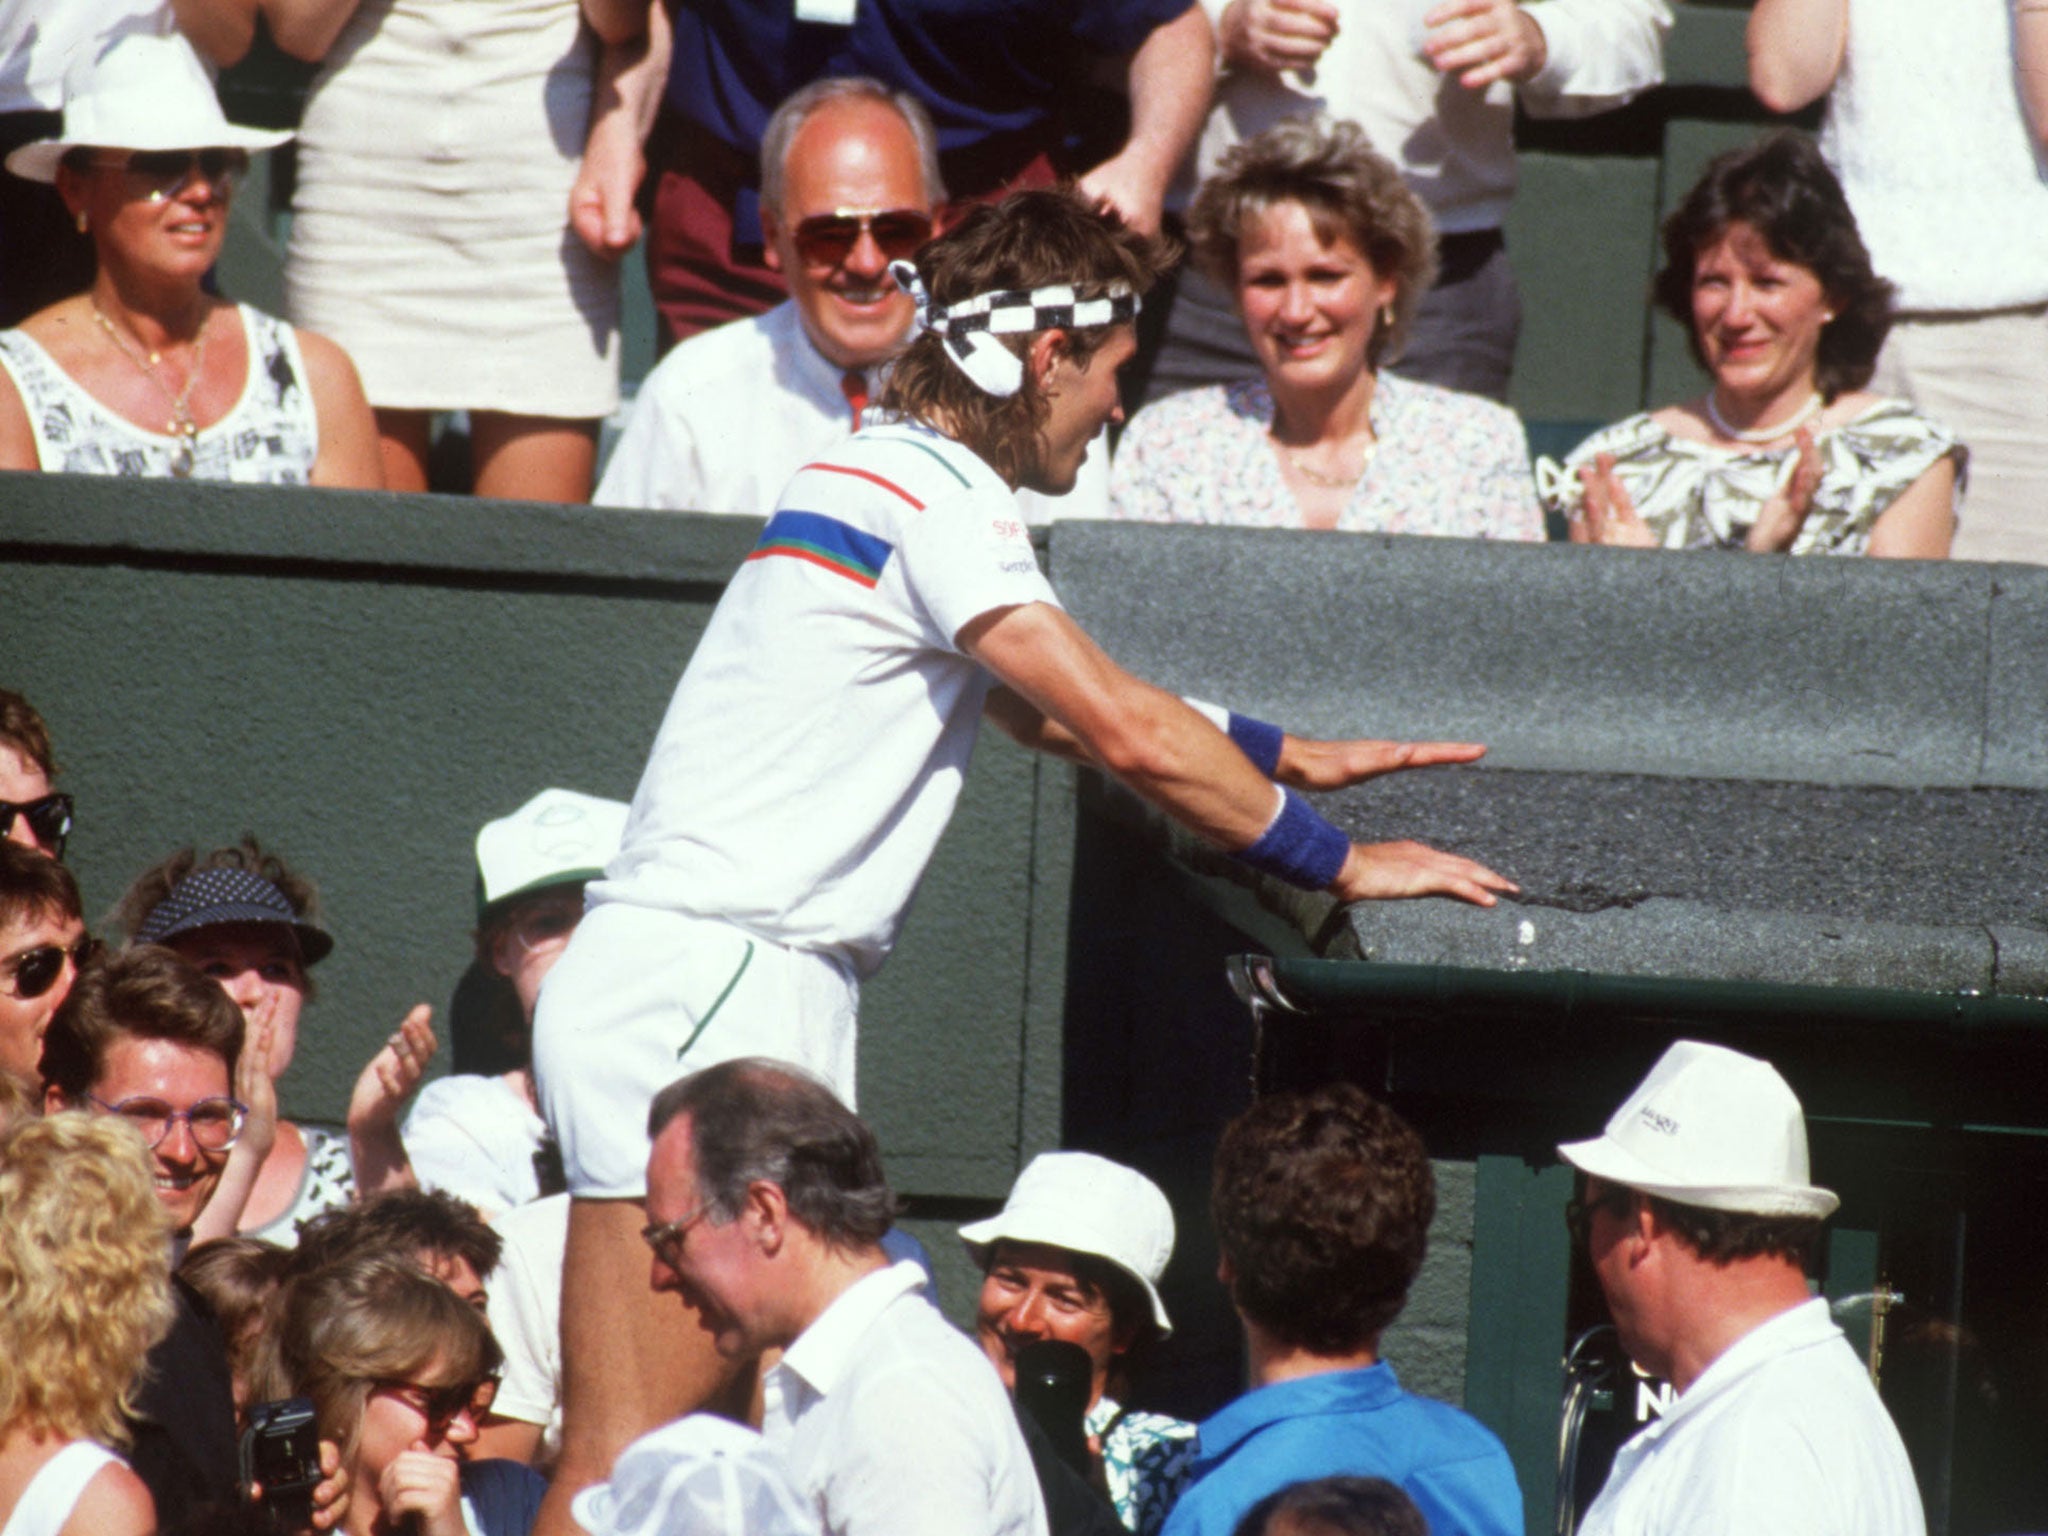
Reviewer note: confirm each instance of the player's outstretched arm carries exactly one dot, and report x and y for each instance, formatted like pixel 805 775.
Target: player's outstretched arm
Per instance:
pixel 1061 693
pixel 1324 765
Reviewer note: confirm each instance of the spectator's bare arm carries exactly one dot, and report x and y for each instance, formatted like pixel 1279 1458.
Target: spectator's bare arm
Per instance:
pixel 1171 76
pixel 2030 64
pixel 1795 50
pixel 306 29
pixel 349 456
pixel 630 77
pixel 222 30
pixel 17 433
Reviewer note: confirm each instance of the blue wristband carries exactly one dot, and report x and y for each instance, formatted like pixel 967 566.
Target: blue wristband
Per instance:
pixel 1258 741
pixel 1300 847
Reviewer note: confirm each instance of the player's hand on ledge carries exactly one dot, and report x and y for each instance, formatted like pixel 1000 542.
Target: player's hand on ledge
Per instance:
pixel 1389 871
pixel 1324 765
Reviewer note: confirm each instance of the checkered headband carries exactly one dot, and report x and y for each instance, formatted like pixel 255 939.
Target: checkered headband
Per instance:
pixel 968 329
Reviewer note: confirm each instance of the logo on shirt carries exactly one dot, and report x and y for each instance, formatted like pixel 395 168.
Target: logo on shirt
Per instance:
pixel 827 543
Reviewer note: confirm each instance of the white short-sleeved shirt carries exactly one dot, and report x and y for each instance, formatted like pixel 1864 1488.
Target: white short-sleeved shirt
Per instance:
pixel 728 416
pixel 1783 1432
pixel 525 1309
pixel 894 1422
pixel 475 1138
pixel 815 747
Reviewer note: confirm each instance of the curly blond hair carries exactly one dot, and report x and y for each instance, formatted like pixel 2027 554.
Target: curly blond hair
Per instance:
pixel 84 1274
pixel 1349 191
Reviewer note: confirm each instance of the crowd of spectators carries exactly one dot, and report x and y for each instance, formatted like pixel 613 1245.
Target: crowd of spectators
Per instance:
pixel 1323 359
pixel 403 1273
pixel 412 1319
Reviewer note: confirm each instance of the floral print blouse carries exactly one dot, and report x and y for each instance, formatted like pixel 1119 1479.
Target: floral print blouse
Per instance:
pixel 1448 463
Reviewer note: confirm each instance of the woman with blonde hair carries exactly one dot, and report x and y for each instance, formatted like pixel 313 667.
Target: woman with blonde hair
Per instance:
pixel 400 1371
pixel 1328 254
pixel 84 1294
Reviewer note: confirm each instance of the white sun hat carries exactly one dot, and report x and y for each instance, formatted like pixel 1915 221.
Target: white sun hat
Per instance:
pixel 1713 1128
pixel 144 90
pixel 700 1476
pixel 1086 1204
pixel 556 838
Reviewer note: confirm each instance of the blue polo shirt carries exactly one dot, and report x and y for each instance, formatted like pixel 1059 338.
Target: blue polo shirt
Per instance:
pixel 1356 1423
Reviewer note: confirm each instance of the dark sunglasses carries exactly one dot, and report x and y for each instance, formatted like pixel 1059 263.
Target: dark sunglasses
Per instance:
pixel 48 818
pixel 827 239
pixel 36 970
pixel 168 172
pixel 442 1406
pixel 1617 1200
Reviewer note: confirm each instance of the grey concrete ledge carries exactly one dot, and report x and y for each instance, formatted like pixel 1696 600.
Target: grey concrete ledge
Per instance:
pixel 88 518
pixel 1702 665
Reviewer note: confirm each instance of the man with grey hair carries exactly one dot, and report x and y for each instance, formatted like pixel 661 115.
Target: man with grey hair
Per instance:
pixel 1700 1222
pixel 849 182
pixel 767 1206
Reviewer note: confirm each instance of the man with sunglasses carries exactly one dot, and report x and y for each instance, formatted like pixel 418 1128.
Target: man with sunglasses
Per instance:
pixel 849 183
pixel 1700 1223
pixel 42 945
pixel 31 814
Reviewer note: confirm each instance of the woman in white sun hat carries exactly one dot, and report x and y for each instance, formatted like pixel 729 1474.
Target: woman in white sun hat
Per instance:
pixel 1076 1254
pixel 145 373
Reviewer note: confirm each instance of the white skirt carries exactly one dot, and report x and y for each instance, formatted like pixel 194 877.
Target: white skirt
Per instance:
pixel 430 229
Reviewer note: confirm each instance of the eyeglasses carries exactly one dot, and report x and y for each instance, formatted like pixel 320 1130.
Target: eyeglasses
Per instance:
pixel 214 1123
pixel 442 1406
pixel 36 970
pixel 547 926
pixel 1617 1200
pixel 666 1239
pixel 166 173
pixel 825 240
pixel 48 818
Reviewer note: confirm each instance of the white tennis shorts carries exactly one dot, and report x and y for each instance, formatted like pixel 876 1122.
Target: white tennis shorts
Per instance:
pixel 642 997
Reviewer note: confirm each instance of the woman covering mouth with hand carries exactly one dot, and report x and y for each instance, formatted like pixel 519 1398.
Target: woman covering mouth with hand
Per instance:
pixel 1328 254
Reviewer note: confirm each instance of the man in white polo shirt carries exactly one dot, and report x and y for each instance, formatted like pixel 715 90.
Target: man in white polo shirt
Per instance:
pixel 1701 1223
pixel 768 1205
pixel 817 742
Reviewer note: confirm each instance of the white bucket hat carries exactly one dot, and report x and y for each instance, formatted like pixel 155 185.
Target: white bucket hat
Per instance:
pixel 557 837
pixel 144 90
pixel 700 1476
pixel 1713 1128
pixel 1088 1204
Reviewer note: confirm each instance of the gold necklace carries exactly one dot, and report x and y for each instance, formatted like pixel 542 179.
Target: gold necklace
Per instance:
pixel 1333 482
pixel 181 425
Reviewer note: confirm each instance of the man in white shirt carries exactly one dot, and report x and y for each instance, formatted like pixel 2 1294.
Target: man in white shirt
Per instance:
pixel 1700 1223
pixel 849 182
pixel 819 738
pixel 767 1206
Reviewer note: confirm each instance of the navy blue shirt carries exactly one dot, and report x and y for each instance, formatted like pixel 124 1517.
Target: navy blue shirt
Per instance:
pixel 984 69
pixel 1356 1423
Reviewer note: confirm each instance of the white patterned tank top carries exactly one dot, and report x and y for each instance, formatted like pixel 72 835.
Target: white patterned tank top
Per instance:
pixel 270 437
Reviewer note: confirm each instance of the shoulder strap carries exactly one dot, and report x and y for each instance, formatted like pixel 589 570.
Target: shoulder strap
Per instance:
pixel 46 1503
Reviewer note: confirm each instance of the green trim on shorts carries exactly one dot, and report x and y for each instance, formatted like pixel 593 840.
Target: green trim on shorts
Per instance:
pixel 711 1013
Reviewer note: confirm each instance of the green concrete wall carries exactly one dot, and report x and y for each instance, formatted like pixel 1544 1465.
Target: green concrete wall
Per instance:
pixel 363 680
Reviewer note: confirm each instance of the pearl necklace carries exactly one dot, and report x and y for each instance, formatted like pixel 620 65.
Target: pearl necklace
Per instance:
pixel 1333 482
pixel 181 425
pixel 1799 418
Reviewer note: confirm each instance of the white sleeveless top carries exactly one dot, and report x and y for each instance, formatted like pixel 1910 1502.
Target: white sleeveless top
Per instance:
pixel 270 437
pixel 46 1503
pixel 1926 130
